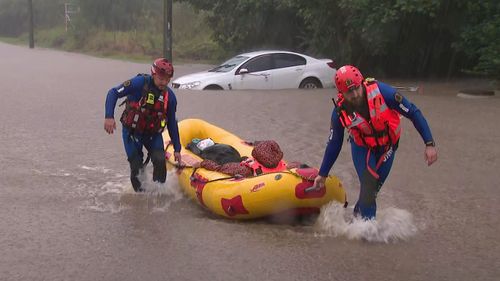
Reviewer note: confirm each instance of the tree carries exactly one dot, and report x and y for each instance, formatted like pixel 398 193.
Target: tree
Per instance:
pixel 480 37
pixel 249 24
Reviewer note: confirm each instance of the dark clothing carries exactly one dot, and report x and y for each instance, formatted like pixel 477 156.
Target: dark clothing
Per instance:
pixel 219 153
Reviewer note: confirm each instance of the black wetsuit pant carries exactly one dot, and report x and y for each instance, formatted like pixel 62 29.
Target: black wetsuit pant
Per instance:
pixel 372 167
pixel 133 147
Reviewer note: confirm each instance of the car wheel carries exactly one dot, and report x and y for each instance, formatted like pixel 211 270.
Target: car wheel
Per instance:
pixel 310 83
pixel 213 87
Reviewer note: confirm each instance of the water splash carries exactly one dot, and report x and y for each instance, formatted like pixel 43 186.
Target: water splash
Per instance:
pixel 108 191
pixel 391 224
pixel 161 195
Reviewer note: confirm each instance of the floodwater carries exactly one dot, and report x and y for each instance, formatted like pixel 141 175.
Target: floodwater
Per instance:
pixel 69 212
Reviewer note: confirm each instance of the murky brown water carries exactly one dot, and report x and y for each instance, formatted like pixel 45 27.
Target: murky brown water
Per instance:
pixel 69 213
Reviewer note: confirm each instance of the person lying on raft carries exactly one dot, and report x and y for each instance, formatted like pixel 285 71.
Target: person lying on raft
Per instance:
pixel 267 157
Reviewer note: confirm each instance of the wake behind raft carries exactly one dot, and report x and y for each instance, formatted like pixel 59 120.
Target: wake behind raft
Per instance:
pixel 288 191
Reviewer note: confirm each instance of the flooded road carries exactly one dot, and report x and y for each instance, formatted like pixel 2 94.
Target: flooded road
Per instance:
pixel 69 211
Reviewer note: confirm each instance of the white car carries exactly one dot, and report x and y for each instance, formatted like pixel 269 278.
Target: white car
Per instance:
pixel 262 70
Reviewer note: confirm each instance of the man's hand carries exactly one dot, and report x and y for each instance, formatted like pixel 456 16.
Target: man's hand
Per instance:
pixel 109 125
pixel 319 182
pixel 177 157
pixel 430 155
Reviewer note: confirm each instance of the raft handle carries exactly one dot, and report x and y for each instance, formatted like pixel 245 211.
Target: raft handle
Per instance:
pixel 311 188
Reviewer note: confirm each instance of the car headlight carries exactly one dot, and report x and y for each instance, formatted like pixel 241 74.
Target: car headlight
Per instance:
pixel 190 85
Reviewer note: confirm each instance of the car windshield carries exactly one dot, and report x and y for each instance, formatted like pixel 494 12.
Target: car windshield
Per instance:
pixel 229 64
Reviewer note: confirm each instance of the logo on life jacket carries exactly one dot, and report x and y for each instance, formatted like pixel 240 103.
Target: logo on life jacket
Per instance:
pixel 388 154
pixel 151 98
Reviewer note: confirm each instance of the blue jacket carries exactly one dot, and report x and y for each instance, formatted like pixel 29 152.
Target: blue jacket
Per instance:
pixel 404 107
pixel 132 89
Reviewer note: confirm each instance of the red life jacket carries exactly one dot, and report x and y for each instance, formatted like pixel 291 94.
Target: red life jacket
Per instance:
pixel 381 130
pixel 148 115
pixel 259 169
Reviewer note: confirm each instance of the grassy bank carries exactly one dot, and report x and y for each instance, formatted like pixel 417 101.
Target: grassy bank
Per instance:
pixel 191 40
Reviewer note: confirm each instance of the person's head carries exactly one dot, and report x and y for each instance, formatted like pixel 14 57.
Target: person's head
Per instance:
pixel 162 71
pixel 349 80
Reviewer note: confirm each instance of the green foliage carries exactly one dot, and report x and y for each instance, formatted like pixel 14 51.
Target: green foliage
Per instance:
pixel 120 15
pixel 192 37
pixel 480 39
pixel 12 18
pixel 392 37
pixel 249 24
pixel 14 15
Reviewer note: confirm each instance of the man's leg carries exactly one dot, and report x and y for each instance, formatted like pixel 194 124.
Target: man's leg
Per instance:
pixel 366 205
pixel 133 148
pixel 369 184
pixel 157 154
pixel 135 168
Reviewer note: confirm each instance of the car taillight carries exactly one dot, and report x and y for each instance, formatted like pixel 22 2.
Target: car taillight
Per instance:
pixel 331 64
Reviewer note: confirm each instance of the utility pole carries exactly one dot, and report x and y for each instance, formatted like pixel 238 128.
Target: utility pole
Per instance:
pixel 167 29
pixel 32 36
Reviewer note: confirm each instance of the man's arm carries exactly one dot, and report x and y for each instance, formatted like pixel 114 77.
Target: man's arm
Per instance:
pixel 333 146
pixel 405 107
pixel 130 88
pixel 173 128
pixel 332 150
pixel 398 102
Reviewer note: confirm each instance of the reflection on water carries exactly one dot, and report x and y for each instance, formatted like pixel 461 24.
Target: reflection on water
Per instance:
pixel 391 224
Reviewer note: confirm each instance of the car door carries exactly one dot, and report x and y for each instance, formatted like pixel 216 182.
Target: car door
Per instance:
pixel 257 74
pixel 288 70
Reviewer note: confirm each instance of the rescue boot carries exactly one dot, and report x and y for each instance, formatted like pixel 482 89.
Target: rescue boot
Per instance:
pixel 159 166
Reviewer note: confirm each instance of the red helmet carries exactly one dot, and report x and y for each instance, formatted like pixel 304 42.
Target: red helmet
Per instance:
pixel 347 77
pixel 162 67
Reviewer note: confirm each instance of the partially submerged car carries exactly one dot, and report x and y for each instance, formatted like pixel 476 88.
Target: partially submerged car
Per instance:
pixel 263 70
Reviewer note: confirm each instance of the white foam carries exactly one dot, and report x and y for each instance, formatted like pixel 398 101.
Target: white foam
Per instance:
pixel 112 187
pixel 169 188
pixel 97 169
pixel 109 191
pixel 391 224
pixel 104 208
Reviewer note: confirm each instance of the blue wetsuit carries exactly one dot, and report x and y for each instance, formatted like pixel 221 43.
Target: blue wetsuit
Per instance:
pixel 369 185
pixel 134 143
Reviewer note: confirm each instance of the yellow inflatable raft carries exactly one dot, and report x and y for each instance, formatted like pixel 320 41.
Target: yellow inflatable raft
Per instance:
pixel 287 192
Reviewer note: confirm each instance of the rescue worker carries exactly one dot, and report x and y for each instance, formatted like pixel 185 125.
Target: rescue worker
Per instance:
pixel 370 110
pixel 149 107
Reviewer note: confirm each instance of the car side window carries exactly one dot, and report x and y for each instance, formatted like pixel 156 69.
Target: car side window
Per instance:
pixel 287 60
pixel 257 64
